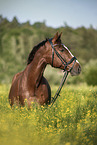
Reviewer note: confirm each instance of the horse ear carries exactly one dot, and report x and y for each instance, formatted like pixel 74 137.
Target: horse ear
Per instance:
pixel 55 37
pixel 60 35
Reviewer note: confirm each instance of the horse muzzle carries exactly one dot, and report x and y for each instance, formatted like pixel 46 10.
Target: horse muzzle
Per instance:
pixel 76 69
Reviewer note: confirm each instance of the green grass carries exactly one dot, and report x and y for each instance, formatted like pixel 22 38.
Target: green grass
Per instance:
pixel 71 121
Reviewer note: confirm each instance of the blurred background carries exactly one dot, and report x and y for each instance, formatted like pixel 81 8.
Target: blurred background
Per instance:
pixel 24 23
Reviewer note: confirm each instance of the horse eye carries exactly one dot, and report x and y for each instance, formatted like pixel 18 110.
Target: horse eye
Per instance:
pixel 62 50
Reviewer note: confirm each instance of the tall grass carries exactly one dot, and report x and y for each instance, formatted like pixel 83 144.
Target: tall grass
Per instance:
pixel 72 120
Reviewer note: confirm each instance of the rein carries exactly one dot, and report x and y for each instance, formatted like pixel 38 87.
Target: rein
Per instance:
pixel 65 71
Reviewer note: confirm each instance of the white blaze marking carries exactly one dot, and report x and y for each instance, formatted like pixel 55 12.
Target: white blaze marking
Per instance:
pixel 69 52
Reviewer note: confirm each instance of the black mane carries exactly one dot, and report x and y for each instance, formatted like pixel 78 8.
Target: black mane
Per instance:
pixel 34 50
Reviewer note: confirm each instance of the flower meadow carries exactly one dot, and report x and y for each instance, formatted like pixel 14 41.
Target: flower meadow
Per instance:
pixel 72 120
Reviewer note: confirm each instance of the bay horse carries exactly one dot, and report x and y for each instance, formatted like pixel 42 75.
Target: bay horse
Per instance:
pixel 30 84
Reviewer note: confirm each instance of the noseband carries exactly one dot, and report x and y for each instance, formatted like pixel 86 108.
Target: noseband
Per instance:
pixel 61 58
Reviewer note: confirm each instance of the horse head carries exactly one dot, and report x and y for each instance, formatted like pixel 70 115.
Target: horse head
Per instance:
pixel 59 56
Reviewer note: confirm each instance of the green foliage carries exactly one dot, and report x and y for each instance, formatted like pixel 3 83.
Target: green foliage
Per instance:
pixel 71 120
pixel 53 75
pixel 91 73
pixel 17 40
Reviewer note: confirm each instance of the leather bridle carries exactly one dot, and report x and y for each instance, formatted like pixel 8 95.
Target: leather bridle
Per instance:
pixel 65 63
pixel 65 71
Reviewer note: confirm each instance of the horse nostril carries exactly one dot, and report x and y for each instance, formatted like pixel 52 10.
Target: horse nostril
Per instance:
pixel 79 69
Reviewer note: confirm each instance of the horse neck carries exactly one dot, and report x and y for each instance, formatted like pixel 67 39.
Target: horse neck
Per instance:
pixel 35 70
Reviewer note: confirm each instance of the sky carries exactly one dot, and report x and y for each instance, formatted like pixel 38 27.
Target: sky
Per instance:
pixel 55 13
